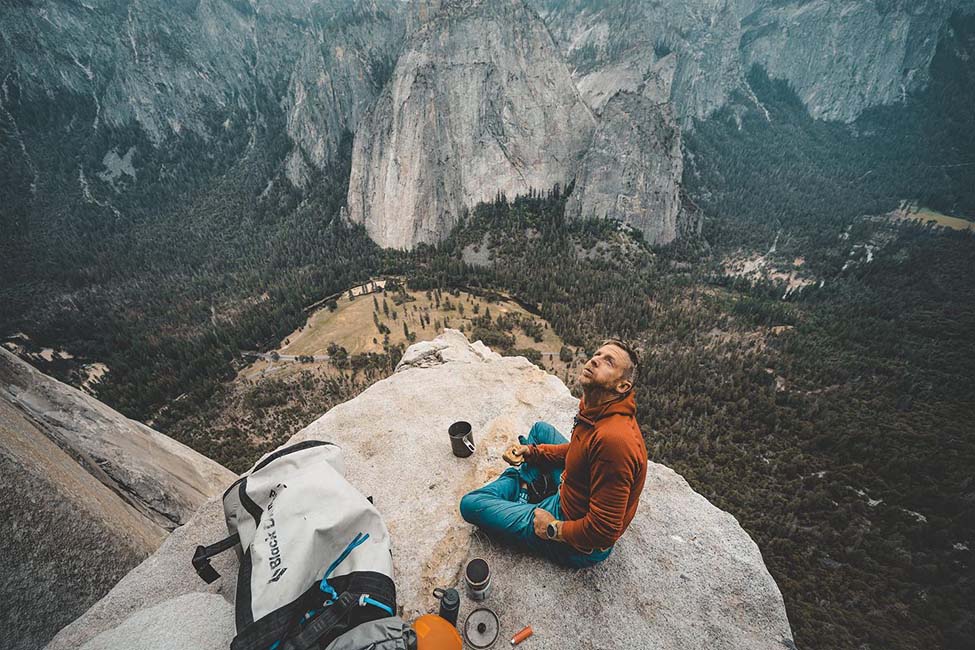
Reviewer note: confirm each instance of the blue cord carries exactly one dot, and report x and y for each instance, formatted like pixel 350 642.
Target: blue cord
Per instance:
pixel 324 586
pixel 359 539
pixel 367 600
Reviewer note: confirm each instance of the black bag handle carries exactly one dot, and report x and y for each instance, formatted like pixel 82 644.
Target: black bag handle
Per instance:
pixel 201 558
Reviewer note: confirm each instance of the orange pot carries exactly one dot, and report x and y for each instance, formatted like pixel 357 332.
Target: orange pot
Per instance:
pixel 435 633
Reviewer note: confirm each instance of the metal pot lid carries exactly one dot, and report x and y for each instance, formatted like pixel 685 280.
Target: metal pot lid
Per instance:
pixel 482 628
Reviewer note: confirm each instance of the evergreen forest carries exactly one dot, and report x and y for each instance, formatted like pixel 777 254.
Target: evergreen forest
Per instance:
pixel 835 422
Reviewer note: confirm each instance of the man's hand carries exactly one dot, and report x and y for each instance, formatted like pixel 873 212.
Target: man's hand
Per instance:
pixel 515 454
pixel 542 519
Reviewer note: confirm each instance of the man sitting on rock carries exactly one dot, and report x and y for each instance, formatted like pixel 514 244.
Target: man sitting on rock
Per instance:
pixel 571 501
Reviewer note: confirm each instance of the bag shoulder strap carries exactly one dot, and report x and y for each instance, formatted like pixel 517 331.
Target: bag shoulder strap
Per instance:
pixel 201 558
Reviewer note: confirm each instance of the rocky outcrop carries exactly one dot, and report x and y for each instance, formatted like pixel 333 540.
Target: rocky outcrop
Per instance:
pixel 67 538
pixel 841 56
pixel 480 102
pixel 685 575
pixel 86 495
pixel 163 479
pixel 633 168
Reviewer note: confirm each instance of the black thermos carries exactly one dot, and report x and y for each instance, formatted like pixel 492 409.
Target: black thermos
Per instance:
pixel 449 604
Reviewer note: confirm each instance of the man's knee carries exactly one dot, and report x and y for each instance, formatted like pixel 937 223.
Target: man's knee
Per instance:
pixel 543 433
pixel 538 430
pixel 468 507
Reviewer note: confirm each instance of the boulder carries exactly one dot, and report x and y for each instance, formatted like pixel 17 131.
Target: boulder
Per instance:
pixel 449 346
pixel 684 575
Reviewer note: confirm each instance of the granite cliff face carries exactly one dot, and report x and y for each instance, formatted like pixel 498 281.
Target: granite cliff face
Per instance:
pixel 198 70
pixel 632 170
pixel 163 479
pixel 480 102
pixel 86 495
pixel 687 51
pixel 684 575
pixel 841 56
pixel 336 78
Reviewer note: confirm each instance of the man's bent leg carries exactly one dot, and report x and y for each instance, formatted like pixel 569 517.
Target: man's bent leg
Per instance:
pixel 496 509
pixel 541 433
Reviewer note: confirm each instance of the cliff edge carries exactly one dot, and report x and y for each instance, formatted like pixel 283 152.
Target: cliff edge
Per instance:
pixel 685 574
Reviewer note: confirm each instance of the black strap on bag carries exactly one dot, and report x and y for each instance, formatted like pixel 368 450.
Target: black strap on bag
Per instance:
pixel 288 624
pixel 201 558
pixel 322 625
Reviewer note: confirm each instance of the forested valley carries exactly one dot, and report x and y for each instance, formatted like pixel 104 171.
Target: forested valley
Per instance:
pixel 834 421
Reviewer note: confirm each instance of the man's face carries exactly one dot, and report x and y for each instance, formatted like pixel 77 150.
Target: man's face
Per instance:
pixel 605 370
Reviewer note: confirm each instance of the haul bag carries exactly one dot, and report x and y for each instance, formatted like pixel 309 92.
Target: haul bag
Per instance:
pixel 315 557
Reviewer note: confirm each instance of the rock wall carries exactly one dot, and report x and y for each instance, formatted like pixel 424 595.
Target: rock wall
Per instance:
pixel 200 68
pixel 67 538
pixel 632 170
pixel 336 79
pixel 163 479
pixel 86 495
pixel 684 575
pixel 480 102
pixel 841 56
pixel 686 49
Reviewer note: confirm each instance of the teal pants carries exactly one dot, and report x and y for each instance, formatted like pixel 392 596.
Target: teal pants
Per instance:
pixel 499 508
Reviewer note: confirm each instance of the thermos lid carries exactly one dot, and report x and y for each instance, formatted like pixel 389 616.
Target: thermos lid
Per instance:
pixel 450 598
pixel 482 628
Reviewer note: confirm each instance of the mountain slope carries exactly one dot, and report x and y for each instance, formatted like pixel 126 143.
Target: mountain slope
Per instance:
pixel 841 56
pixel 115 113
pixel 479 103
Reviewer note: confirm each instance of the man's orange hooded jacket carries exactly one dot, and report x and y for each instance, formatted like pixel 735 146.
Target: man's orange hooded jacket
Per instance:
pixel 605 468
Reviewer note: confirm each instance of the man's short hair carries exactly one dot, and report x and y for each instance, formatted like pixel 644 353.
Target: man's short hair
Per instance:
pixel 633 372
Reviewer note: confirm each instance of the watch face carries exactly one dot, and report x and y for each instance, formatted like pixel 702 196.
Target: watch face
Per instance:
pixel 551 530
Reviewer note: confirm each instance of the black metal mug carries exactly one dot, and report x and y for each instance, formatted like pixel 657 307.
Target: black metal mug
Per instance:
pixel 477 575
pixel 461 439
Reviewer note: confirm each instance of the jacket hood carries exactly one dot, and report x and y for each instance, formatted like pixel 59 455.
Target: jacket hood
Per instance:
pixel 623 405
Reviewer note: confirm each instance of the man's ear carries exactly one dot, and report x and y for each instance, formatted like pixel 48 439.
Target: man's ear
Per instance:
pixel 624 387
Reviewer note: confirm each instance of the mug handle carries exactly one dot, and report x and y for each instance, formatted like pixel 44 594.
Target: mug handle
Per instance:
pixel 470 445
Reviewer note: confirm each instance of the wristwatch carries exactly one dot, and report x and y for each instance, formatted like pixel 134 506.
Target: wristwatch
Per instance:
pixel 552 530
